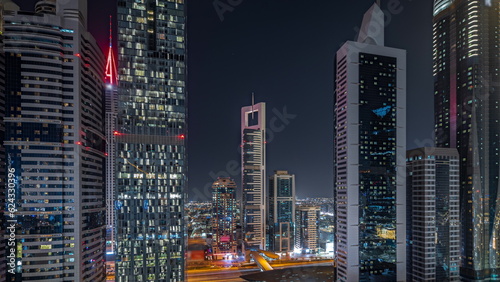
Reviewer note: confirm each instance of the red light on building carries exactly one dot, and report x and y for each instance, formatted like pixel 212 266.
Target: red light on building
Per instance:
pixel 78 55
pixel 106 154
pixel 116 133
pixel 182 136
pixel 78 143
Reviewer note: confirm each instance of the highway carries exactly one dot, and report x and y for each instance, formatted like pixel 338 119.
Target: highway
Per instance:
pixel 233 274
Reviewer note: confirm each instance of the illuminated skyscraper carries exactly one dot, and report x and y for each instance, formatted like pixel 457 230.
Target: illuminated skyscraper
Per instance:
pixel 432 214
pixel 151 162
pixel 253 158
pixel 224 216
pixel 369 156
pixel 281 211
pixel 55 142
pixel 467 117
pixel 110 118
pixel 307 231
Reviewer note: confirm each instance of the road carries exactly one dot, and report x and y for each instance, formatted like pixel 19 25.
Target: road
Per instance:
pixel 233 275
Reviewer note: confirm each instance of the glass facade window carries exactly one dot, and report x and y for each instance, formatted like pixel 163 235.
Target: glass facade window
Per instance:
pixel 150 139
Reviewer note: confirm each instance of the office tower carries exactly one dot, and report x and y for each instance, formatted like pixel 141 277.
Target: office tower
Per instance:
pixel 281 211
pixel 253 159
pixel 433 214
pixel 3 262
pixel 110 120
pixel 151 160
pixel 224 217
pixel 54 142
pixel 307 231
pixel 369 150
pixel 466 99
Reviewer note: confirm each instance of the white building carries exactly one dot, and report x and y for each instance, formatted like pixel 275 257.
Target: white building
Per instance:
pixel 55 141
pixel 369 156
pixel 253 159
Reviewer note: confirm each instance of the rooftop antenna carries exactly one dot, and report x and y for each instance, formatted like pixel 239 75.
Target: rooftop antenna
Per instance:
pixel 253 103
pixel 111 71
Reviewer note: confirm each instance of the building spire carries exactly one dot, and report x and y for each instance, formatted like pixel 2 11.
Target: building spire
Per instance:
pixel 111 70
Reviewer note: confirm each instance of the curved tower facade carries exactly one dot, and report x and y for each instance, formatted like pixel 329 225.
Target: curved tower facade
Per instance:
pixel 54 144
pixel 467 117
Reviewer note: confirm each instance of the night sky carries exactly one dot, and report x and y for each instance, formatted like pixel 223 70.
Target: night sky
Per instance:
pixel 283 51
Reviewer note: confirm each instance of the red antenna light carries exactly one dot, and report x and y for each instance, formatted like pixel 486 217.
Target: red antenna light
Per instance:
pixel 111 70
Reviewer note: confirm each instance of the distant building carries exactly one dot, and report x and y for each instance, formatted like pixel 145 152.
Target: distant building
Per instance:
pixel 224 217
pixel 307 228
pixel 433 214
pixel 281 220
pixel 253 135
pixel 369 153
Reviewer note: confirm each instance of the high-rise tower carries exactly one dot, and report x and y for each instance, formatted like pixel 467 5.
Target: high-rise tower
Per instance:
pixel 253 158
pixel 369 155
pixel 467 117
pixel 224 217
pixel 281 211
pixel 151 162
pixel 433 214
pixel 54 143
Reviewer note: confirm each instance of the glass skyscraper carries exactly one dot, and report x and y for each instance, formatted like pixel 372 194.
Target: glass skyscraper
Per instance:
pixel 433 214
pixel 281 215
pixel 369 153
pixel 54 142
pixel 150 139
pixel 253 159
pixel 467 117
pixel 224 217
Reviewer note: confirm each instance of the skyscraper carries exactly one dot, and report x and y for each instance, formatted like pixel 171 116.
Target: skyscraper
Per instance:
pixel 151 162
pixel 433 214
pixel 224 216
pixel 281 214
pixel 253 159
pixel 307 231
pixel 54 142
pixel 466 99
pixel 110 120
pixel 369 154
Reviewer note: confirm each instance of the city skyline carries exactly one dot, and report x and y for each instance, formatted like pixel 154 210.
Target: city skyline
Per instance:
pixel 343 101
pixel 210 39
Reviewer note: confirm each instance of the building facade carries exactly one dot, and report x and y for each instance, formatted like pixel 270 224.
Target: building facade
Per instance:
pixel 54 142
pixel 369 154
pixel 151 162
pixel 253 159
pixel 433 214
pixel 307 231
pixel 466 99
pixel 224 217
pixel 281 212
